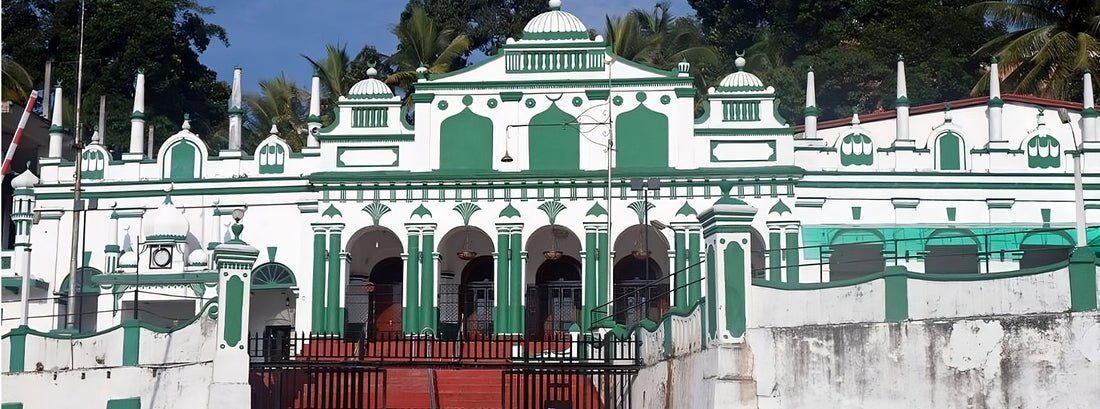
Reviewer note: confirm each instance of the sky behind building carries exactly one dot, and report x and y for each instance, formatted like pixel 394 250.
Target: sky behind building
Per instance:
pixel 268 37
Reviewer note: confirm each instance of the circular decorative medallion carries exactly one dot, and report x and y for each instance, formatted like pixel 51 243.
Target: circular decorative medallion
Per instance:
pixel 442 105
pixel 640 96
pixel 492 103
pixel 577 101
pixel 530 102
pixel 618 100
pixel 665 99
pixel 467 100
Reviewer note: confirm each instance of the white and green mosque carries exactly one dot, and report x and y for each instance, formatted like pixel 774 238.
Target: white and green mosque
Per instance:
pixel 555 188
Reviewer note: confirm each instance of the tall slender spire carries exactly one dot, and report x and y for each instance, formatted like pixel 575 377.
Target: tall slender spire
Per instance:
pixel 811 110
pixel 57 132
pixel 995 105
pixel 314 120
pixel 902 104
pixel 1089 133
pixel 235 112
pixel 137 118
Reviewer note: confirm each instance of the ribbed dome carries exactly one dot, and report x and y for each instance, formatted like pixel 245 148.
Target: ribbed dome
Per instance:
pixel 741 81
pixel 165 222
pixel 555 25
pixel 197 258
pixel 128 259
pixel 24 180
pixel 370 88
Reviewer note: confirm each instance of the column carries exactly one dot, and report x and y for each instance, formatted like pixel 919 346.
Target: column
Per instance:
pixel 516 303
pixel 589 273
pixel 501 318
pixel 680 296
pixel 775 257
pixel 695 269
pixel 428 299
pixel 317 308
pixel 233 260
pixel 22 216
pixel 726 227
pixel 603 277
pixel 333 312
pixel 137 121
pixel 791 256
pixel 410 316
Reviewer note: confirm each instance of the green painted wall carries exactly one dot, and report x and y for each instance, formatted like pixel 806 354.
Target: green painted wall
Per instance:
pixel 466 142
pixel 234 310
pixel 950 151
pixel 428 314
pixel 501 318
pixel 333 309
pixel 775 262
pixel 641 139
pixel 410 316
pixel 792 261
pixel 516 291
pixel 182 155
pixel 552 145
pixel 735 288
pixel 712 293
pixel 318 302
pixel 695 291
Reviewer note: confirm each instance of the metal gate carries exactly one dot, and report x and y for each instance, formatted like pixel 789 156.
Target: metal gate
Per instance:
pixel 567 388
pixel 316 385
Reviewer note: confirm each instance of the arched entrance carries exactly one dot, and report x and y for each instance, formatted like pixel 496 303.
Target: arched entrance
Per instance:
pixel 375 277
pixel 465 283
pixel 554 295
pixel 641 285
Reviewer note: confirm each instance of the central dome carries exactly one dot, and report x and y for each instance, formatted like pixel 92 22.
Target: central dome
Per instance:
pixel 166 222
pixel 555 25
pixel 370 88
pixel 741 81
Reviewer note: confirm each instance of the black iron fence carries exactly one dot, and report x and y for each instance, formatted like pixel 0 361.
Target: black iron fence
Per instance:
pixel 473 348
pixel 317 385
pixel 566 388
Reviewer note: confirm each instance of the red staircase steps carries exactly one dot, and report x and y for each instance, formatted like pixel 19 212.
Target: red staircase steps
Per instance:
pixel 469 388
pixel 407 388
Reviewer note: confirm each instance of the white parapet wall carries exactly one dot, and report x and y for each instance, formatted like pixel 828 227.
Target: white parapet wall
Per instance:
pixel 163 367
pixel 1020 294
pixel 818 303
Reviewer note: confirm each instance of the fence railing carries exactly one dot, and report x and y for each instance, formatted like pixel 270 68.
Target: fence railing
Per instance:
pixel 396 348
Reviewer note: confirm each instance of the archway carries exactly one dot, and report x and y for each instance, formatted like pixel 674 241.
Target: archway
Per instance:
pixel 641 283
pixel 272 308
pixel 465 283
pixel 1045 247
pixel 373 291
pixel 553 277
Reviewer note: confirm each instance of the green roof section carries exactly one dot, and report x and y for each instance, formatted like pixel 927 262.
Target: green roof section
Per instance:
pixel 686 210
pixel 422 212
pixel 509 212
pixel 597 211
pixel 780 208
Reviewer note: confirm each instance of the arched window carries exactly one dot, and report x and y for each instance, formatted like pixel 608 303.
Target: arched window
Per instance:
pixel 856 252
pixel 949 148
pixel 949 251
pixel 272 276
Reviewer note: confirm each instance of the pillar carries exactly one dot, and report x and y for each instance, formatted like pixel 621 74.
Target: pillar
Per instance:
pixel 236 114
pixel 429 302
pixel 680 262
pixel 57 132
pixel 137 119
pixel 901 104
pixel 726 233
pixel 791 253
pixel 318 325
pixel 314 120
pixel 22 216
pixel 775 257
pixel 233 261
pixel 516 302
pixel 695 267
pixel 811 110
pixel 410 313
pixel 111 250
pixel 502 317
pixel 995 106
pixel 334 313
pixel 1089 134
pixel 590 272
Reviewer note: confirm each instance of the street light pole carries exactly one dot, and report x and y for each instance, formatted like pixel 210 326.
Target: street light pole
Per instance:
pixel 1078 184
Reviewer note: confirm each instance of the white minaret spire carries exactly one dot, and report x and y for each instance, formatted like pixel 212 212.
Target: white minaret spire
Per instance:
pixel 811 110
pixel 137 118
pixel 235 112
pixel 314 119
pixel 1088 114
pixel 57 132
pixel 902 104
pixel 995 105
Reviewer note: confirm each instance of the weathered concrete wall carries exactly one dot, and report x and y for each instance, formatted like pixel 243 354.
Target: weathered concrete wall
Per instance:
pixel 167 387
pixel 785 308
pixel 1029 361
pixel 1016 295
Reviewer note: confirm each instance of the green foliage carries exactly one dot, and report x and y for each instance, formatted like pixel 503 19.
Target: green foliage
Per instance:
pixel 487 23
pixel 162 37
pixel 1053 43
pixel 17 83
pixel 852 46
pixel 424 42
pixel 281 103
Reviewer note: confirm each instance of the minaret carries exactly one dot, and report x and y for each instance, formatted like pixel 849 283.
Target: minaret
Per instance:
pixel 137 118
pixel 236 114
pixel 97 138
pixel 1089 132
pixel 57 133
pixel 22 215
pixel 112 251
pixel 902 106
pixel 314 120
pixel 811 110
pixel 995 105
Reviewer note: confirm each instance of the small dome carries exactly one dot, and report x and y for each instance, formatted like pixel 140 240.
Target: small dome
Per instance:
pixel 197 258
pixel 24 180
pixel 555 25
pixel 128 259
pixel 166 222
pixel 370 88
pixel 741 81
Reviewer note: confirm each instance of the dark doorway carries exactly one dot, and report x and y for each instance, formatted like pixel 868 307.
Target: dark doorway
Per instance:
pixel 554 301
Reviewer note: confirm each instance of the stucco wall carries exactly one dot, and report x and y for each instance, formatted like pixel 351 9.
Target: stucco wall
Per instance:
pixel 179 386
pixel 1030 361
pixel 783 308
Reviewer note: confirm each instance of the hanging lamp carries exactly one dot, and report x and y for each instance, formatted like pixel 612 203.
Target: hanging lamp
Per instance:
pixel 466 253
pixel 553 253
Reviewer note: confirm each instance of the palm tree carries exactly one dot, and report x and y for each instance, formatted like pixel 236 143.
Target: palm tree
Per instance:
pixel 279 103
pixel 422 42
pixel 17 82
pixel 657 39
pixel 1053 43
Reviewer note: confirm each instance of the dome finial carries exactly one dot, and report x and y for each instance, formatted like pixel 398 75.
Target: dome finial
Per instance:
pixel 187 122
pixel 740 61
pixel 555 4
pixel 372 72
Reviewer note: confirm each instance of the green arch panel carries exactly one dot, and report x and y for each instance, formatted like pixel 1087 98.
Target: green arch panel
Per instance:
pixel 950 150
pixel 273 275
pixel 466 142
pixel 182 156
pixel 553 145
pixel 641 139
pixel 735 288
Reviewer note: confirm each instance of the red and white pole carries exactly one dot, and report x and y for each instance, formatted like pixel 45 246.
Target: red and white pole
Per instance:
pixel 18 133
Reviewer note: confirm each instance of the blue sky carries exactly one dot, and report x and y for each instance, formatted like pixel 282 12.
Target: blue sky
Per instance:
pixel 267 37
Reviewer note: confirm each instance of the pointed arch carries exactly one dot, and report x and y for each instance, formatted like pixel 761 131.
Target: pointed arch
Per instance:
pixel 552 144
pixel 466 142
pixel 641 139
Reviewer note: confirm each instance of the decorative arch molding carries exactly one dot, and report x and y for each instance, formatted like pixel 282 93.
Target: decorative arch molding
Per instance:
pixel 182 157
pixel 642 138
pixel 273 275
pixel 93 162
pixel 271 155
pixel 553 140
pixel 949 148
pixel 86 284
pixel 466 142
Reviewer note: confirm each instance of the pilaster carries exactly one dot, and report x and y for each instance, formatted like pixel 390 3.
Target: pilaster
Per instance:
pixel 233 260
pixel 334 321
pixel 726 233
pixel 410 314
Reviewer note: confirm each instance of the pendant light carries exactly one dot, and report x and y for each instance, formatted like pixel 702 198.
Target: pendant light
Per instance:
pixel 553 253
pixel 466 253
